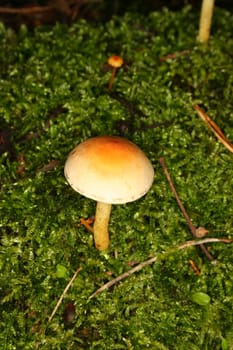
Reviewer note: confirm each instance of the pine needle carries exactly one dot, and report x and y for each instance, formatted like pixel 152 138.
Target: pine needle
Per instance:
pixel 64 293
pixel 182 208
pixel 214 128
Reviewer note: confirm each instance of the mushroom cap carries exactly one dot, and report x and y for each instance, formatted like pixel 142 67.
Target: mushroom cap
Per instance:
pixel 109 169
pixel 115 61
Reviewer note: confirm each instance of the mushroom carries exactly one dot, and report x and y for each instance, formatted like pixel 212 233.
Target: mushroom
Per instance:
pixel 207 9
pixel 110 170
pixel 115 62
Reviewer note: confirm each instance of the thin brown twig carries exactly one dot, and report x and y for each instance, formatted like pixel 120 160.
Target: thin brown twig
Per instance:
pixel 154 259
pixel 182 208
pixel 174 55
pixel 64 293
pixel 26 10
pixel 123 276
pixel 54 5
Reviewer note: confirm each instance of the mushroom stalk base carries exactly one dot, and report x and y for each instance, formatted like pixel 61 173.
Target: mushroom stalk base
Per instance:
pixel 101 236
pixel 112 78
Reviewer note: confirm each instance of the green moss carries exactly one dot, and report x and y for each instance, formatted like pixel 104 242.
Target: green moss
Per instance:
pixel 53 96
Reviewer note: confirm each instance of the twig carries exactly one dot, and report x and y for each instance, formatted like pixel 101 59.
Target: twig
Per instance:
pixel 64 293
pixel 182 208
pixel 214 128
pixel 26 10
pixel 194 267
pixel 174 55
pixel 154 259
pixel 123 276
pixel 203 241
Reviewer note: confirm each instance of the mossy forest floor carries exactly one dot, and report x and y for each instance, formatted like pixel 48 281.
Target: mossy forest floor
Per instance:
pixel 54 94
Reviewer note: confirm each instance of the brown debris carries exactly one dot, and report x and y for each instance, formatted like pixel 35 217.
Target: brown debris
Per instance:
pixel 214 128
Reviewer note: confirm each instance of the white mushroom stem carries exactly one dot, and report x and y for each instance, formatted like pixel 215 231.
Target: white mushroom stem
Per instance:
pixel 207 10
pixel 102 215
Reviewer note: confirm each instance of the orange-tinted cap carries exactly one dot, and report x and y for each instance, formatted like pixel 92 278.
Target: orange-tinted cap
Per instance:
pixel 115 61
pixel 109 169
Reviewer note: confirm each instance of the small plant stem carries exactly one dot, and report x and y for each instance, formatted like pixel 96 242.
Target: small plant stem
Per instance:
pixel 182 208
pixel 64 293
pixel 101 235
pixel 159 257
